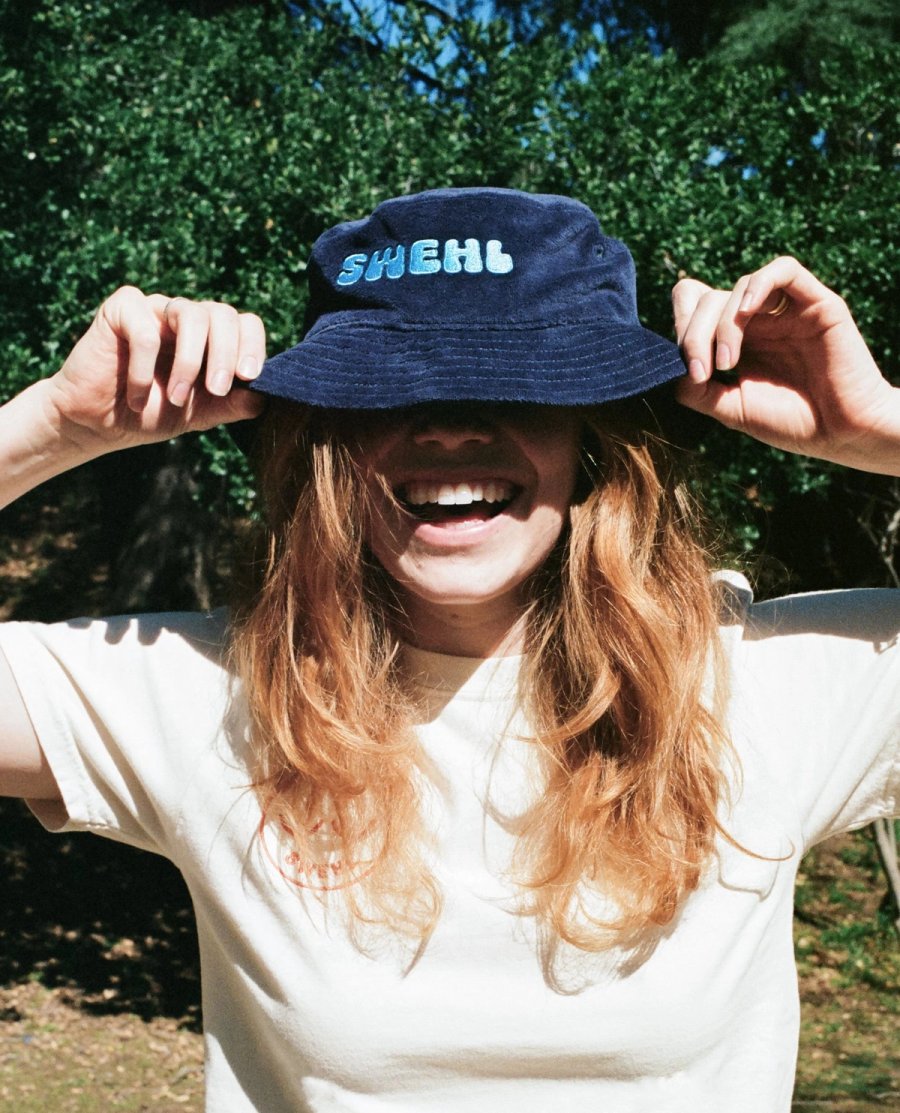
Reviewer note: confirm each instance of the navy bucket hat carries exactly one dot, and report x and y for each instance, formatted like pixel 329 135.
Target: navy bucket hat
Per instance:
pixel 470 294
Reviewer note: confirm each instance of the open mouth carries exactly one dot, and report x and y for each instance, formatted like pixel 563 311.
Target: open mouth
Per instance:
pixel 447 502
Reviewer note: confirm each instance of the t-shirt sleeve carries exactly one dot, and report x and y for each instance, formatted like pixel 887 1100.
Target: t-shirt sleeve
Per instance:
pixel 817 681
pixel 125 710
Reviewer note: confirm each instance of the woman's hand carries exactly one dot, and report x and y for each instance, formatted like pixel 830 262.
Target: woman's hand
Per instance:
pixel 151 367
pixel 800 376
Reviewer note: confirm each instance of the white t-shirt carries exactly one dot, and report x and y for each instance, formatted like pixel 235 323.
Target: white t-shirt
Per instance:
pixel 146 735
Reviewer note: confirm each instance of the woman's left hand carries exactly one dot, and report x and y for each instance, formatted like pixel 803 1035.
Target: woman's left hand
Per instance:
pixel 800 376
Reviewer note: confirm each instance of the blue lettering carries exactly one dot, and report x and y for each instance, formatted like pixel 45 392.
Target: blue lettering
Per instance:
pixel 382 261
pixel 423 257
pixel 470 254
pixel 495 258
pixel 352 270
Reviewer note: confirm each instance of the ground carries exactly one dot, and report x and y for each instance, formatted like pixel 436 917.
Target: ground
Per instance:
pixel 99 978
pixel 848 960
pixel 56 1056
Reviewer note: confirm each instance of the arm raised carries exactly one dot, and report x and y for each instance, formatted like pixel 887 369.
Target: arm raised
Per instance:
pixel 148 368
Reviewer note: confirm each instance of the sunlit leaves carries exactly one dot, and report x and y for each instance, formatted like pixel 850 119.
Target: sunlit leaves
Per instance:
pixel 202 153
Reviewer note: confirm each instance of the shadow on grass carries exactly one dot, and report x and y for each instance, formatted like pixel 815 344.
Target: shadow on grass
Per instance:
pixel 112 924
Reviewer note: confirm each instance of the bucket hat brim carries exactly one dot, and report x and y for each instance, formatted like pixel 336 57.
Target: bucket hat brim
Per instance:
pixel 369 366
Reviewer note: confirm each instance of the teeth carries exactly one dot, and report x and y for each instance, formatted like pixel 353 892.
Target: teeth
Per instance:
pixel 419 493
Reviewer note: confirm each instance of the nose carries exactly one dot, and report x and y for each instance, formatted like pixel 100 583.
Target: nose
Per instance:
pixel 452 427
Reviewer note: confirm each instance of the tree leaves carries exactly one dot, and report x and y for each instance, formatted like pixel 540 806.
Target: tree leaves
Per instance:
pixel 200 148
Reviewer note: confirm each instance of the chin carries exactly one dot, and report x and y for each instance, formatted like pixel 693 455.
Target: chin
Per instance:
pixel 459 595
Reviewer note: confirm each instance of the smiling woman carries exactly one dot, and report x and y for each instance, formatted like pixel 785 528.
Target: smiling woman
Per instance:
pixel 489 793
pixel 449 554
pixel 590 568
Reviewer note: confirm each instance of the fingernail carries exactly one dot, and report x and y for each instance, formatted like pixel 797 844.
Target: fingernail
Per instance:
pixel 696 370
pixel 179 392
pixel 249 367
pixel 723 357
pixel 220 383
pixel 747 303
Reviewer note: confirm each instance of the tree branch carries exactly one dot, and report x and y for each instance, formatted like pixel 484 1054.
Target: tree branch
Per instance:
pixel 375 48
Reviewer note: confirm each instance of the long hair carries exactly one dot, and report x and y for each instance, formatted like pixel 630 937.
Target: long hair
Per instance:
pixel 621 683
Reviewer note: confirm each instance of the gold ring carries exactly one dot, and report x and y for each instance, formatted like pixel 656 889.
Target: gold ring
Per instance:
pixel 783 302
pixel 171 301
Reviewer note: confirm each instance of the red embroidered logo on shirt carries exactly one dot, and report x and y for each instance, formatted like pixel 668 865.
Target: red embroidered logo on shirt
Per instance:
pixel 322 865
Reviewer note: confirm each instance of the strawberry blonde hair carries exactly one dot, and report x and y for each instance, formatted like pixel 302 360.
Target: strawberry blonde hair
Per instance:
pixel 621 683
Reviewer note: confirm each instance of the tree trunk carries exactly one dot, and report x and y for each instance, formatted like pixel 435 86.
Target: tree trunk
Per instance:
pixel 159 533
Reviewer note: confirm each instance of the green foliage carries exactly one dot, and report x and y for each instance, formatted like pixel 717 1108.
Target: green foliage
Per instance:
pixel 199 149
pixel 807 173
pixel 801 34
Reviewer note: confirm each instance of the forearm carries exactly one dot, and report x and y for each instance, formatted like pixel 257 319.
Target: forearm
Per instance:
pixel 33 443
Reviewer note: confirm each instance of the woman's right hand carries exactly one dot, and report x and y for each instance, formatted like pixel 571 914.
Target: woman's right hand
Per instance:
pixel 151 367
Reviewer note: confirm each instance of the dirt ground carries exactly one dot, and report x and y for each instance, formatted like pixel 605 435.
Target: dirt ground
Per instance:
pixel 56 1056
pixel 848 960
pixel 99 977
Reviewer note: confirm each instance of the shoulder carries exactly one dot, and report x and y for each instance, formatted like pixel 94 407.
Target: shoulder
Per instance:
pixel 170 653
pixel 203 632
pixel 827 645
pixel 814 664
pixel 866 615
pixel 814 713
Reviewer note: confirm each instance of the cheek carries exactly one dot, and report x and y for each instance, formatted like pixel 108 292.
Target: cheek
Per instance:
pixel 371 437
pixel 557 490
pixel 555 453
pixel 548 523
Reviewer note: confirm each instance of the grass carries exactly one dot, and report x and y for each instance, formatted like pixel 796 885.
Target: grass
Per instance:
pixel 848 961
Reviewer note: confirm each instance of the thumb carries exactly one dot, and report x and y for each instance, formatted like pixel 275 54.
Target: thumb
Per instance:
pixel 721 401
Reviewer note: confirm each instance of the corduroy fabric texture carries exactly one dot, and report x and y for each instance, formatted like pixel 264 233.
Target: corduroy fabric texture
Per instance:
pixel 471 294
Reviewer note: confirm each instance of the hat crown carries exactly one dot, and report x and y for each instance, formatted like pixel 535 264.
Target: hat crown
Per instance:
pixel 477 258
pixel 480 294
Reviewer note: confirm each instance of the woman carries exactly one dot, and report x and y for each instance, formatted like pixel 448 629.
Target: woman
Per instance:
pixel 477 806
